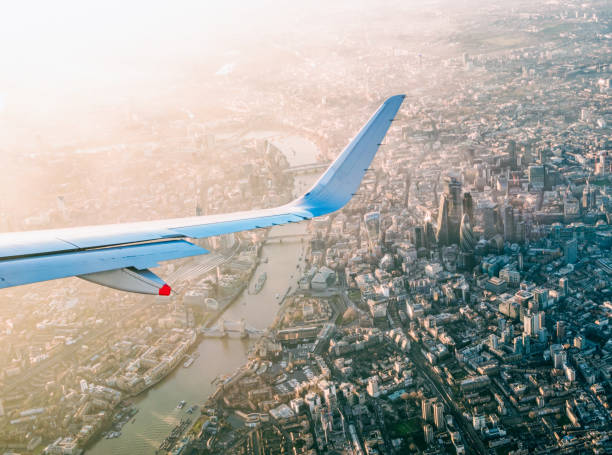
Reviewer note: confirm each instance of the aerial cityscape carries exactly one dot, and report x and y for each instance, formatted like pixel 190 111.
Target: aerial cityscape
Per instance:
pixel 460 303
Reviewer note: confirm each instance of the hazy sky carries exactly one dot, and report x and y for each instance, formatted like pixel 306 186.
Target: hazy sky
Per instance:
pixel 53 46
pixel 58 45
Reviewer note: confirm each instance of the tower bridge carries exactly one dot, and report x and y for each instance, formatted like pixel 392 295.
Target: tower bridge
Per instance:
pixel 233 329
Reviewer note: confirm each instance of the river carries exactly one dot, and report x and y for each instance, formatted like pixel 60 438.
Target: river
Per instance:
pixel 157 406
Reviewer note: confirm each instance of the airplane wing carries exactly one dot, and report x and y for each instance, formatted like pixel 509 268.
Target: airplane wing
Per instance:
pixel 120 255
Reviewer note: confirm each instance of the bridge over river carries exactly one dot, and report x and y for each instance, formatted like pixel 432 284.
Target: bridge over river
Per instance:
pixel 233 329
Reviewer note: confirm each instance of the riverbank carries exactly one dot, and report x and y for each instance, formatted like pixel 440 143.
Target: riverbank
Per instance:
pixel 229 301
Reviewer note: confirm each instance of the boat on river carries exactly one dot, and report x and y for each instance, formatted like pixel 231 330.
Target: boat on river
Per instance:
pixel 260 282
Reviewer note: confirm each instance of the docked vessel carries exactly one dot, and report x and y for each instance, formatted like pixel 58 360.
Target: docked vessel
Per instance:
pixel 181 404
pixel 260 282
pixel 188 363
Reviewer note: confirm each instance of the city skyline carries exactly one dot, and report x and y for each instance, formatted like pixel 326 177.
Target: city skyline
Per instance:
pixel 458 303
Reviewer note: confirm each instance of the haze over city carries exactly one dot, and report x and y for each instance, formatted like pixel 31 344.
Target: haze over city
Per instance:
pixel 460 301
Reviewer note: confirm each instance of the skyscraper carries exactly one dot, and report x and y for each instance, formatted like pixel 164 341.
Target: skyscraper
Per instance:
pixel 508 223
pixel 442 225
pixel 439 415
pixel 428 433
pixel 563 284
pixel 452 190
pixel 537 176
pixel 489 217
pixel 426 410
pixel 560 329
pixel 511 150
pixel 468 206
pixel 570 251
pixel 419 237
pixel 467 240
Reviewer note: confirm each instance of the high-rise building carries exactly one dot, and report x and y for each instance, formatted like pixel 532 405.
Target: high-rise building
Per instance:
pixel 508 223
pixel 430 233
pixel 520 231
pixel 467 241
pixel 541 297
pixel 489 220
pixel 428 434
pixel 419 237
pixel 563 284
pixel 526 343
pixel 537 176
pixel 452 189
pixel 426 410
pixel 518 345
pixel 439 415
pixel 560 330
pixel 511 150
pixel 570 251
pixel 559 358
pixel 442 225
pixel 541 320
pixel 528 324
pixel 468 206
pixel 602 167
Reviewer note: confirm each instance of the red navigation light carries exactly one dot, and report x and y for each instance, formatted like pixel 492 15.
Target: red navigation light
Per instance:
pixel 165 290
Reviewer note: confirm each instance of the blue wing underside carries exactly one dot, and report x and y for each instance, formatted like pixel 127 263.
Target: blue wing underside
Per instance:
pixel 28 257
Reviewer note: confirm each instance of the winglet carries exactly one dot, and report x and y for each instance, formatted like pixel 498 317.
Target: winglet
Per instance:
pixel 343 177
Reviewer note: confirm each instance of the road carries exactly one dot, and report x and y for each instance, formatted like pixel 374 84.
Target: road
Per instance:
pixel 468 433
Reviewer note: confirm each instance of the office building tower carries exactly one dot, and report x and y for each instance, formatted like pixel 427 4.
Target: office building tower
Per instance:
pixel 430 234
pixel 559 358
pixel 428 434
pixel 442 226
pixel 541 297
pixel 439 415
pixel 508 223
pixel 518 345
pixel 526 344
pixel 468 206
pixel 489 221
pixel 537 175
pixel 541 320
pixel 563 284
pixel 570 251
pixel 467 241
pixel 560 330
pixel 511 150
pixel 528 327
pixel 419 237
pixel 493 341
pixel 499 220
pixel 453 192
pixel 520 232
pixel 426 410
